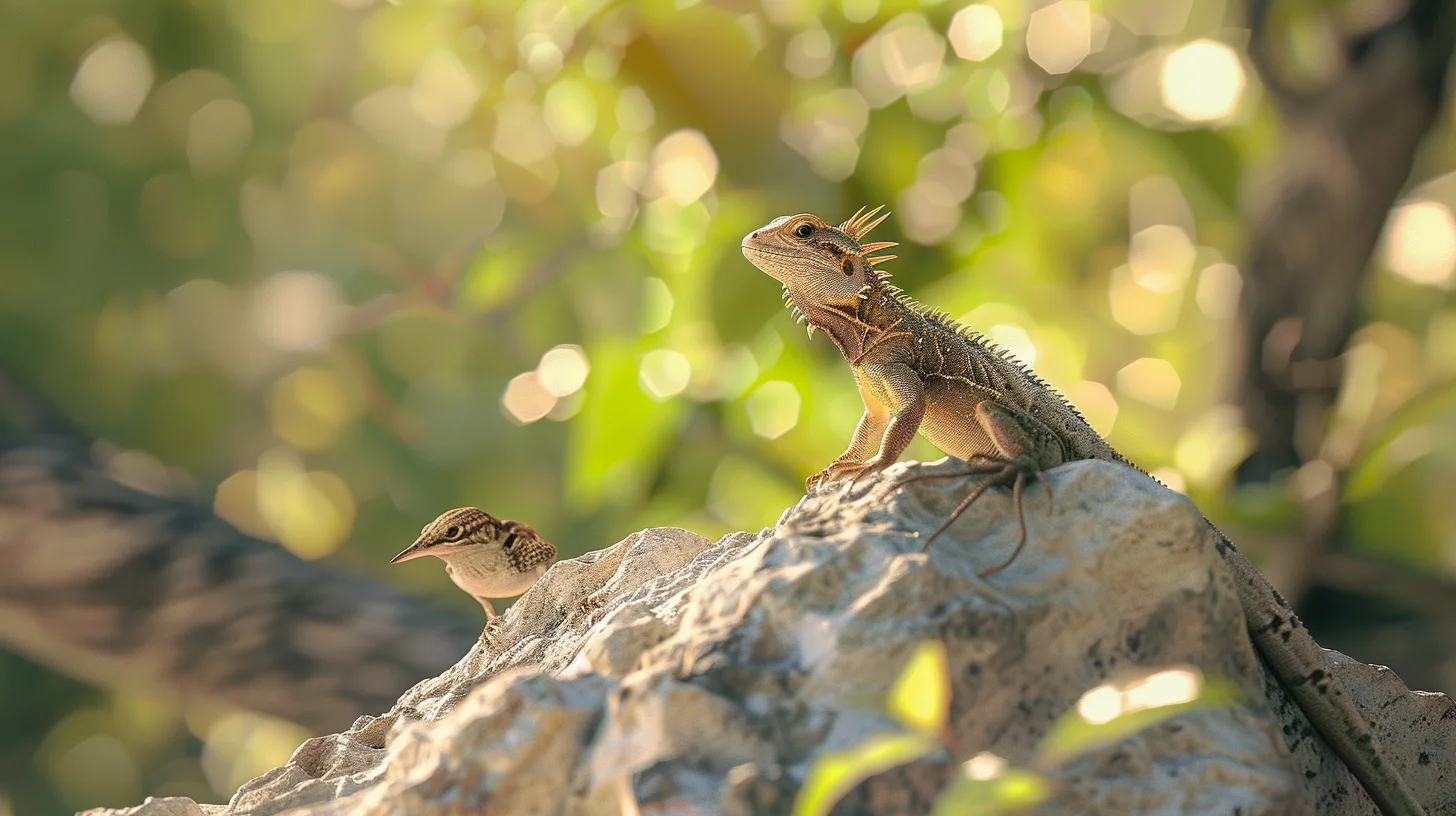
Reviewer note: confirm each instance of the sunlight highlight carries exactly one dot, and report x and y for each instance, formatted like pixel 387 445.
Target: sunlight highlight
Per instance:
pixel 984 766
pixel 1171 477
pixel 296 311
pixel 1219 288
pixel 684 166
pixel 1420 242
pixel 526 399
pixel 1059 36
pixel 112 81
pixel 1158 690
pixel 975 32
pixel 570 111
pixel 1151 380
pixel 216 135
pixel 906 55
pixel 562 370
pixel 664 374
pixel 773 409
pixel 1014 339
pixel 310 512
pixel 1139 309
pixel 912 56
pixel 1203 81
pixel 1096 404
pixel 308 408
pixel 1161 258
pixel 443 93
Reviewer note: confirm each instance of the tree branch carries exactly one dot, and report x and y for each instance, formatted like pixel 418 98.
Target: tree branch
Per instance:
pixel 116 586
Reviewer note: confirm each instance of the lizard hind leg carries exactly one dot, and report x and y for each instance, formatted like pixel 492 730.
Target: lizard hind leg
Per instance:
pixel 998 470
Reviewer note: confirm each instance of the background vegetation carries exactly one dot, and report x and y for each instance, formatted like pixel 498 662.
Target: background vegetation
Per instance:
pixel 335 267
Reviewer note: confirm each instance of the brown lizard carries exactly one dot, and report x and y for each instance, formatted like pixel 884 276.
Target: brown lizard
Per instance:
pixel 919 370
pixel 485 556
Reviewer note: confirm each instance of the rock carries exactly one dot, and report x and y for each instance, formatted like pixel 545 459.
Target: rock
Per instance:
pixel 699 676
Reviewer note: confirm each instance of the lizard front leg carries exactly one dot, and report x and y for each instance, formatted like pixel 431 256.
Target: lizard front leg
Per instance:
pixel 866 440
pixel 897 391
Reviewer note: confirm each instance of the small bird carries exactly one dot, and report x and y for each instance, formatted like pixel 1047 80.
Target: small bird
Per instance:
pixel 485 556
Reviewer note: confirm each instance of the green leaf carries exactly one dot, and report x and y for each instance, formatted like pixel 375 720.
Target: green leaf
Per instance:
pixel 920 698
pixel 1015 790
pixel 1116 710
pixel 622 434
pixel 1378 462
pixel 835 773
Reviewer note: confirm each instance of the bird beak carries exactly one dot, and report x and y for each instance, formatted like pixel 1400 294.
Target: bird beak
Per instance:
pixel 414 550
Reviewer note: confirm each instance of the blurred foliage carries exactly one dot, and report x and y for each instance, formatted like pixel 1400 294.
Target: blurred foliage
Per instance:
pixel 987 785
pixel 919 701
pixel 335 267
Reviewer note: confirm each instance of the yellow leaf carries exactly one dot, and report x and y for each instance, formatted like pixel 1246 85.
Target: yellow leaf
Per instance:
pixel 1114 711
pixel 835 773
pixel 920 699
pixel 1015 790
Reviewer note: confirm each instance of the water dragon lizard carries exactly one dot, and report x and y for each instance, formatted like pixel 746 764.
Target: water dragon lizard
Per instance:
pixel 919 370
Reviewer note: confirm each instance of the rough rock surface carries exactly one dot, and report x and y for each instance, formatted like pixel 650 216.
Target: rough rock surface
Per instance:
pixel 705 677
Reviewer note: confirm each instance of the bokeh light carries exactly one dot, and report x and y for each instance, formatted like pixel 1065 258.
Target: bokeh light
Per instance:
pixel 975 32
pixel 296 311
pixel 1151 380
pixel 1059 36
pixel 1219 288
pixel 216 135
pixel 527 399
pixel 331 263
pixel 112 81
pixel 1203 81
pixel 563 370
pixel 1420 242
pixel 905 55
pixel 664 373
pixel 684 166
pixel 1096 404
pixel 773 408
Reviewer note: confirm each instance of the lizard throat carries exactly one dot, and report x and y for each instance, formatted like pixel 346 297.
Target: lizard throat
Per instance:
pixel 855 328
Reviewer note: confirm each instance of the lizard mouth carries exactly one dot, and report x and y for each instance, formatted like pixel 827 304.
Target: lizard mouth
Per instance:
pixel 760 250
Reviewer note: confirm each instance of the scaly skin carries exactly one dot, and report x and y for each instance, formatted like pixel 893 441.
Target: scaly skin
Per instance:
pixel 918 370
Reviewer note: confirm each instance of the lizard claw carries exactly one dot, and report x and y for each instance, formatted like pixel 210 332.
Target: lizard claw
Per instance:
pixel 836 471
pixel 869 468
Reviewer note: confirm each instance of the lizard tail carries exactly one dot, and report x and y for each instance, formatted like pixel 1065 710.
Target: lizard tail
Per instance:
pixel 1289 650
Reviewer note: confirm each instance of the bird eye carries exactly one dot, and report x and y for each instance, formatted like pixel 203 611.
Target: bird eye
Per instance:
pixel 804 230
pixel 452 533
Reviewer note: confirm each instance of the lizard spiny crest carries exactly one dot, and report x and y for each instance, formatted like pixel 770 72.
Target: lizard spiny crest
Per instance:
pixel 858 226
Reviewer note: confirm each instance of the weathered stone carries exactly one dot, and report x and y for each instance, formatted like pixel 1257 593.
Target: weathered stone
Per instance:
pixel 694 676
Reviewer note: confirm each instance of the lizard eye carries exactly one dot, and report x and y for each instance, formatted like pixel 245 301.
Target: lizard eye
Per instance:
pixel 452 533
pixel 804 230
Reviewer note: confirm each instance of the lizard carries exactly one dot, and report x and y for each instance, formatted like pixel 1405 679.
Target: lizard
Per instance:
pixel 485 556
pixel 918 370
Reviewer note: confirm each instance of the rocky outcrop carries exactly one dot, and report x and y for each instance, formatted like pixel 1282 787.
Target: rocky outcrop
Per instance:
pixel 677 674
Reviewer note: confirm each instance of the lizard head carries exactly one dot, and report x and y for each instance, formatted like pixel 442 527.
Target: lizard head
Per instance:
pixel 468 532
pixel 816 262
